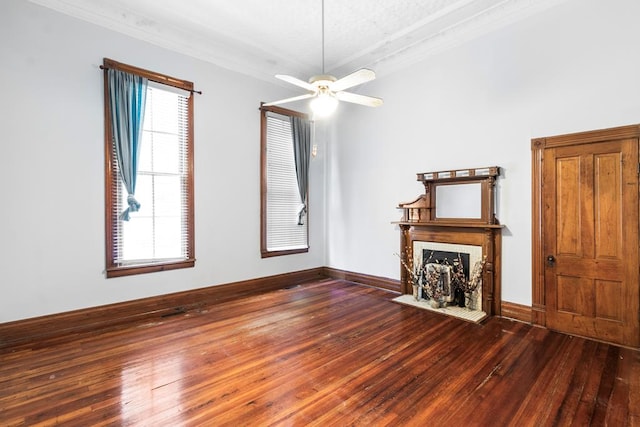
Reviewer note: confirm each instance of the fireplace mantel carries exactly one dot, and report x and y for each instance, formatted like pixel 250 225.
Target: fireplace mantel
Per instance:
pixel 422 221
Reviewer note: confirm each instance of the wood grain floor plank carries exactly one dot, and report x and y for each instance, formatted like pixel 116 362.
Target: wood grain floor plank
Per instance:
pixel 329 352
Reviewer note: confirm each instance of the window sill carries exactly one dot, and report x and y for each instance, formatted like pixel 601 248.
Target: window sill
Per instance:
pixel 130 270
pixel 268 254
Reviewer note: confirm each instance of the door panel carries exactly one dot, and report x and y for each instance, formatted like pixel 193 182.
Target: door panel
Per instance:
pixel 568 189
pixel 609 294
pixel 590 238
pixel 574 295
pixel 607 189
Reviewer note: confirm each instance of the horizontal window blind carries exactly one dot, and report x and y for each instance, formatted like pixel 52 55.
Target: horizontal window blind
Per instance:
pixel 158 232
pixel 283 198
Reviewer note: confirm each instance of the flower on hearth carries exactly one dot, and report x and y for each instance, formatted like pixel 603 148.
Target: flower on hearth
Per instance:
pixel 414 274
pixel 475 279
pixel 432 282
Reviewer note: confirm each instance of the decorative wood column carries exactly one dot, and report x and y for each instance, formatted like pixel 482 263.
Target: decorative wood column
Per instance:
pixel 488 279
pixel 405 288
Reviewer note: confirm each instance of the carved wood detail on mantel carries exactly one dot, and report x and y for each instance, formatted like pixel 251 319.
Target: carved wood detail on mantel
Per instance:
pixel 420 222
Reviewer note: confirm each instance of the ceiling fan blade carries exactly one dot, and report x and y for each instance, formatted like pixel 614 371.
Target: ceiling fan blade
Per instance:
pixel 296 81
pixel 369 101
pixel 363 75
pixel 284 101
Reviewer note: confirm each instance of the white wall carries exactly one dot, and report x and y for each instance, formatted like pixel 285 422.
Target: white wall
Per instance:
pixel 52 173
pixel 574 67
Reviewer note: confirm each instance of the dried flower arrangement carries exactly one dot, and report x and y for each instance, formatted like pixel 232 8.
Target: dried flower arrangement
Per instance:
pixel 468 286
pixel 427 278
pixel 475 279
pixel 458 278
pixel 416 273
pixel 432 283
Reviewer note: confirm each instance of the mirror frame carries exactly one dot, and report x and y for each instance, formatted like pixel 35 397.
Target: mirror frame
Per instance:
pixel 458 200
pixel 484 176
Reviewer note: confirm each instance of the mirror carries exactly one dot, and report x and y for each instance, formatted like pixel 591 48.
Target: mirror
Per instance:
pixel 459 200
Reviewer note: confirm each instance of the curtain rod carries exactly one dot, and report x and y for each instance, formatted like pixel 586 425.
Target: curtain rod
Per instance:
pixel 199 92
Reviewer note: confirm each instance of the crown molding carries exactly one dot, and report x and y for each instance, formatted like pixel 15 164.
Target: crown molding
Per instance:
pixel 430 36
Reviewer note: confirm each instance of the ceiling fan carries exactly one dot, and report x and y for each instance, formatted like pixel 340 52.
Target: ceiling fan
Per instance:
pixel 327 91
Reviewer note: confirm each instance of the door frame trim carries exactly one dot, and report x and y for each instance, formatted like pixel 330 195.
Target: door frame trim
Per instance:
pixel 538 145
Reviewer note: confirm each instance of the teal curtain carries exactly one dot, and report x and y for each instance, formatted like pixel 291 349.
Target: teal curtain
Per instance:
pixel 301 129
pixel 127 97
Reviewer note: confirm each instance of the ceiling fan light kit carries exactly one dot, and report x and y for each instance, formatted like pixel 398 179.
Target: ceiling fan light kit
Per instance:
pixel 324 104
pixel 326 90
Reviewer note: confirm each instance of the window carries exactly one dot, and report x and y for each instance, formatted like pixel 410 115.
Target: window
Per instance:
pixel 282 231
pixel 160 235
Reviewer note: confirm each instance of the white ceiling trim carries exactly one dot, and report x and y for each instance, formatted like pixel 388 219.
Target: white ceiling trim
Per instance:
pixel 454 22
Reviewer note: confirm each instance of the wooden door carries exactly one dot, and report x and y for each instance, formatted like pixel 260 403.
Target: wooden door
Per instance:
pixel 590 239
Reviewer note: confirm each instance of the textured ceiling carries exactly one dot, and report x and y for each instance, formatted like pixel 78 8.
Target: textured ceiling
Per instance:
pixel 261 38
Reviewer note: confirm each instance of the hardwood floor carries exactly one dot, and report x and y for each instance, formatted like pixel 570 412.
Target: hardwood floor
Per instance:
pixel 328 353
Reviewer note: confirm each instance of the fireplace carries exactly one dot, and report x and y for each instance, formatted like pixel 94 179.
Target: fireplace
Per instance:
pixel 447 245
pixel 448 257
